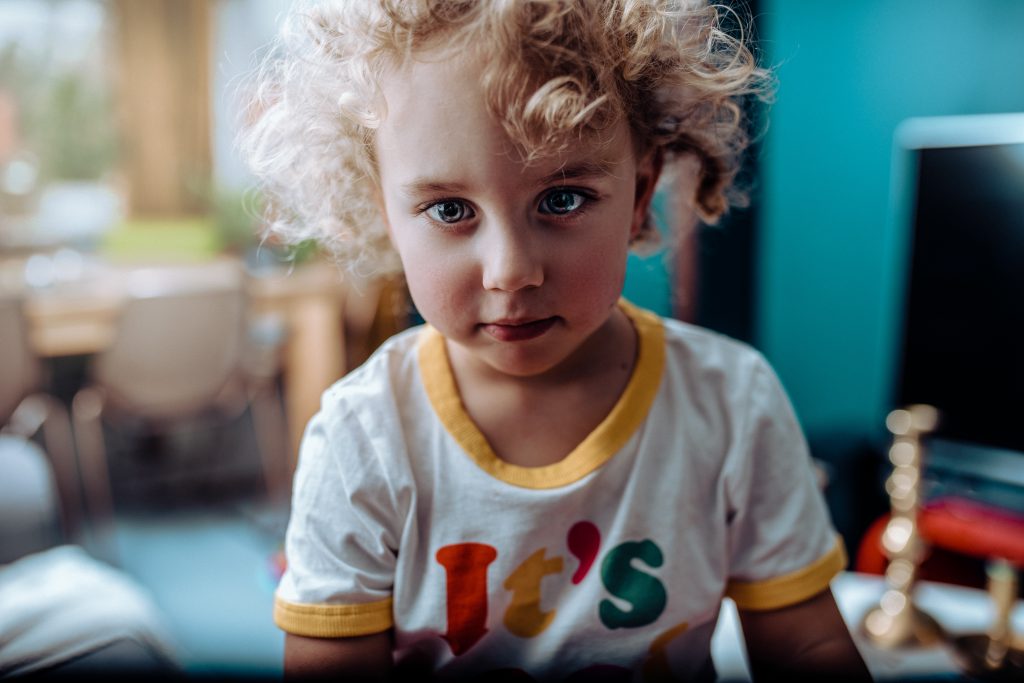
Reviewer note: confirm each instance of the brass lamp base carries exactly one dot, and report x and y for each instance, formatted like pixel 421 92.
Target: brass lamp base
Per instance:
pixel 909 627
pixel 974 654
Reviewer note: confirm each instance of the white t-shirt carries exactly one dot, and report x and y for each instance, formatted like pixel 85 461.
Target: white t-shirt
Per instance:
pixel 697 485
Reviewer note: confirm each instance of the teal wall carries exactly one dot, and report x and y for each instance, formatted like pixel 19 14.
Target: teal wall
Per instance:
pixel 648 279
pixel 648 283
pixel 829 260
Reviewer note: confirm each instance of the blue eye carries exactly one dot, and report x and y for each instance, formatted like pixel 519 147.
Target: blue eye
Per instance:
pixel 449 211
pixel 561 202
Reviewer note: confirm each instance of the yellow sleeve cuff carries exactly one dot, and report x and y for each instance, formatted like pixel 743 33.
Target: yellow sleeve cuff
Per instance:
pixel 789 589
pixel 333 621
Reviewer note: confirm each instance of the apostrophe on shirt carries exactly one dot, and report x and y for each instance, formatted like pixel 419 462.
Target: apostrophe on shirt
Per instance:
pixel 584 542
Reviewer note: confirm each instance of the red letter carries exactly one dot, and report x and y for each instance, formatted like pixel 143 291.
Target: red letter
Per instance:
pixel 584 542
pixel 466 567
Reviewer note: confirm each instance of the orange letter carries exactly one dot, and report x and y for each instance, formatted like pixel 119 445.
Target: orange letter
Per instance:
pixel 656 668
pixel 524 616
pixel 466 567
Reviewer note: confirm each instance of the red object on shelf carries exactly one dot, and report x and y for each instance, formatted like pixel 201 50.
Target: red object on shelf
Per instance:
pixel 973 528
pixel 961 534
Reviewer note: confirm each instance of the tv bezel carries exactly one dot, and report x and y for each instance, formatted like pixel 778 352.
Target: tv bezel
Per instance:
pixel 986 462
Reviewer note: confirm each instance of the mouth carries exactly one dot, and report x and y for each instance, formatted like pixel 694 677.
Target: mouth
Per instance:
pixel 518 330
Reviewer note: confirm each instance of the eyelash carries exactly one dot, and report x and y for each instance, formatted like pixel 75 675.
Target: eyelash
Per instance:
pixel 584 198
pixel 429 211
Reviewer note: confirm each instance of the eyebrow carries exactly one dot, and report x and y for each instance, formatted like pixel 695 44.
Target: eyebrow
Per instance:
pixel 422 186
pixel 579 171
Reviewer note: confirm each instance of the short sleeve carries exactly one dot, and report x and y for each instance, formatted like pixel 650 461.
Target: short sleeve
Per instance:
pixel 342 536
pixel 782 546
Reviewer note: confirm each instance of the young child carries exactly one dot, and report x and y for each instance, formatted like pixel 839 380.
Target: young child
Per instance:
pixel 543 481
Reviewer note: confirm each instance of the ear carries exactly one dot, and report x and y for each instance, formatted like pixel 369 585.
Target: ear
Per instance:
pixel 647 173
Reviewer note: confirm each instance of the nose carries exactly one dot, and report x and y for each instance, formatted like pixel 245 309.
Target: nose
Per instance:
pixel 509 260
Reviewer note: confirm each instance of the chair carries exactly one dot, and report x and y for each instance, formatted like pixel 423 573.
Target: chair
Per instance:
pixel 368 304
pixel 19 368
pixel 65 614
pixel 29 503
pixel 26 413
pixel 179 354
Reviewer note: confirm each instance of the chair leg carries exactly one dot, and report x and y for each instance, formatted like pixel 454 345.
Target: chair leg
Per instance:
pixel 60 445
pixel 271 440
pixel 86 414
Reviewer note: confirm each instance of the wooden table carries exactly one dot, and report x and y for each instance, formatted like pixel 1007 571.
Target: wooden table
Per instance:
pixel 311 302
pixel 80 317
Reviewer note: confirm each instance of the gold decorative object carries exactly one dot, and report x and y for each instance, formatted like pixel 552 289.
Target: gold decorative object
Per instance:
pixel 897 622
pixel 997 655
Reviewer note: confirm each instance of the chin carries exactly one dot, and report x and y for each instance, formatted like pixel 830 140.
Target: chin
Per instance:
pixel 522 364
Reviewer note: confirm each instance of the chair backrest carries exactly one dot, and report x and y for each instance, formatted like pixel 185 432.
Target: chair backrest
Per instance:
pixel 19 367
pixel 29 503
pixel 179 340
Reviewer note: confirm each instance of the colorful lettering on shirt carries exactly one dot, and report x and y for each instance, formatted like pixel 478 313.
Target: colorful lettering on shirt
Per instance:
pixel 465 566
pixel 524 617
pixel 644 592
pixel 584 542
pixel 656 667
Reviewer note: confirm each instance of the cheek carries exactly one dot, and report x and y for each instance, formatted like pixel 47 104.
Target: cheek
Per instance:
pixel 425 280
pixel 597 273
pixel 436 284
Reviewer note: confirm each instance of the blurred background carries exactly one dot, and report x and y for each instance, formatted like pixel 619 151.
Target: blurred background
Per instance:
pixel 161 359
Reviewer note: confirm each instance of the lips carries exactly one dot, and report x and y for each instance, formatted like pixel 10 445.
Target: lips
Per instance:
pixel 518 330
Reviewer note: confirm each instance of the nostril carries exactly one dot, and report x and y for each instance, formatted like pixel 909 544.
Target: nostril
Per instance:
pixel 510 275
pixel 509 259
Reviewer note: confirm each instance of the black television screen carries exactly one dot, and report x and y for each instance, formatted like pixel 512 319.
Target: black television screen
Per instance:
pixel 963 337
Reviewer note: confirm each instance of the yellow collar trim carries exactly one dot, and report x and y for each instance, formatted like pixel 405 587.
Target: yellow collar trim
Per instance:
pixel 595 450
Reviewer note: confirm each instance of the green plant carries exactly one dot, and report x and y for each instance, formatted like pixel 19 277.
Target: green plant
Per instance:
pixel 238 220
pixel 236 217
pixel 66 117
pixel 73 130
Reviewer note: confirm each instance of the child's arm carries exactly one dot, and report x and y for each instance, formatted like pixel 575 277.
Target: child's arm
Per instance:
pixel 359 658
pixel 805 641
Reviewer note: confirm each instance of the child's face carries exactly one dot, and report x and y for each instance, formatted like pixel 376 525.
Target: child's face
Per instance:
pixel 516 265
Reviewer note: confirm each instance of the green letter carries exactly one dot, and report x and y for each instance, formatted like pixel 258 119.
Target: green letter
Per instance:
pixel 644 592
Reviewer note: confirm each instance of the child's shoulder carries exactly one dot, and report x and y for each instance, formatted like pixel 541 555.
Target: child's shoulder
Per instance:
pixel 391 369
pixel 698 348
pixel 356 440
pixel 717 369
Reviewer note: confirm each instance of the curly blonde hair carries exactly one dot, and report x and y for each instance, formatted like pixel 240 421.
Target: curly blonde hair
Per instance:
pixel 559 71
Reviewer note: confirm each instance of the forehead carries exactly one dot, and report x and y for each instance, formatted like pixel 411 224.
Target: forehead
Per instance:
pixel 435 102
pixel 429 94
